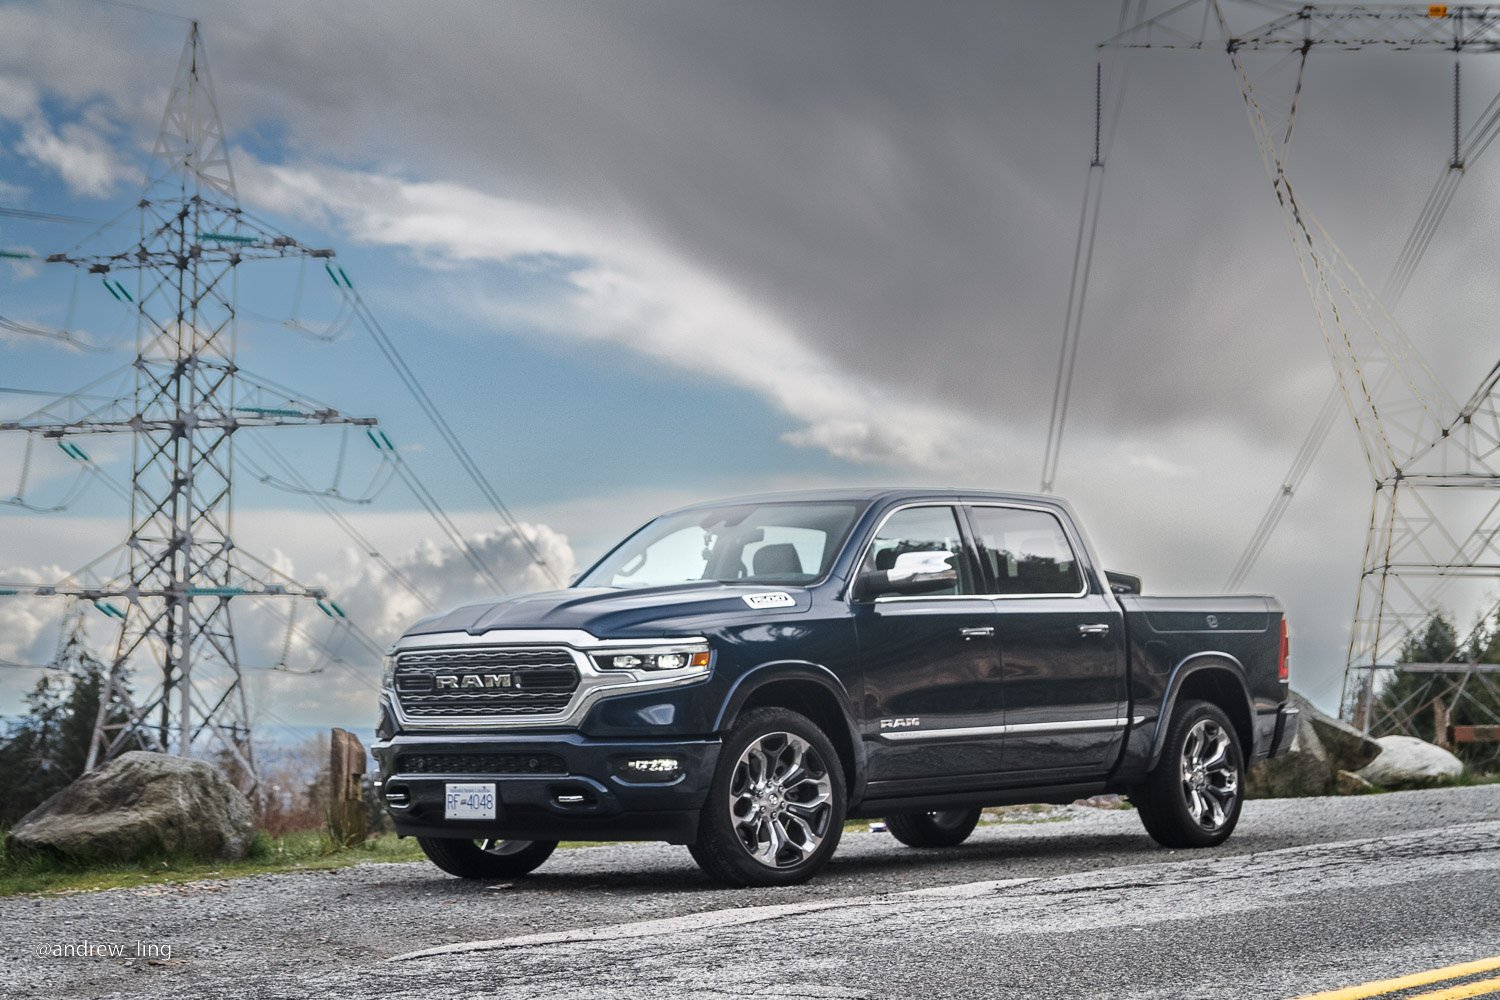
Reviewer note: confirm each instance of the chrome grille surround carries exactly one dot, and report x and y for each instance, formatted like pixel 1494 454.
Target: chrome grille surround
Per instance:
pixel 540 681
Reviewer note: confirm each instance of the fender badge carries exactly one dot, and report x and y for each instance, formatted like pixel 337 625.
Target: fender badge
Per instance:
pixel 777 599
pixel 1213 621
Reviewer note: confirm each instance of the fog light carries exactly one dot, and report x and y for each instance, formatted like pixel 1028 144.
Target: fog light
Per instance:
pixel 649 768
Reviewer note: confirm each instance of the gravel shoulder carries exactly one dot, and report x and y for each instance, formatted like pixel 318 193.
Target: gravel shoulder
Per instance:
pixel 304 927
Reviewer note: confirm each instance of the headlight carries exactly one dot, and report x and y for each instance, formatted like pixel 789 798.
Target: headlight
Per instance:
pixel 690 658
pixel 388 672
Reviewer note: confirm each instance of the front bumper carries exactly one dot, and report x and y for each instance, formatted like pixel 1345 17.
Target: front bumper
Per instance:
pixel 556 786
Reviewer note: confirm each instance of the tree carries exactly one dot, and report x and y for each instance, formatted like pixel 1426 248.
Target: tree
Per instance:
pixel 1406 705
pixel 47 749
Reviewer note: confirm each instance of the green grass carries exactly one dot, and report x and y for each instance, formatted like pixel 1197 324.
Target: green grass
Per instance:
pixel 300 851
pixel 1467 779
pixel 308 850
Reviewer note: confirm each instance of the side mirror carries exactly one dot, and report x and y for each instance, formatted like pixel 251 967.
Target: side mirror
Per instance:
pixel 914 573
pixel 1123 583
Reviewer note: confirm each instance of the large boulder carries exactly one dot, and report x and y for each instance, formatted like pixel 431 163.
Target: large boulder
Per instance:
pixel 1407 762
pixel 140 805
pixel 1322 747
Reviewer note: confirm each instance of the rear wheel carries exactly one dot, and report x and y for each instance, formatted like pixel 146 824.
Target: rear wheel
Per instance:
pixel 941 828
pixel 487 858
pixel 775 809
pixel 1192 798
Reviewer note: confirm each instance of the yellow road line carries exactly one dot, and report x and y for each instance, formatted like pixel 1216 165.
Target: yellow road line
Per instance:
pixel 1416 979
pixel 1474 989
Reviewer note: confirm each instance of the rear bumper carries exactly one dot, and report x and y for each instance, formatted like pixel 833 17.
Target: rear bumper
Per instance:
pixel 554 786
pixel 1286 730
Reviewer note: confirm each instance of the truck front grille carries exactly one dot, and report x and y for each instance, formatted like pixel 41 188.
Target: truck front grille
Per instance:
pixel 480 763
pixel 485 682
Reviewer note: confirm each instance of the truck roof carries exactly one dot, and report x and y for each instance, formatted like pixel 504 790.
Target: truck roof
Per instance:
pixel 871 494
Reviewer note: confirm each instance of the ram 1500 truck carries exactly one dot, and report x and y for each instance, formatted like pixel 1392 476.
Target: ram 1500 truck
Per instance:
pixel 741 677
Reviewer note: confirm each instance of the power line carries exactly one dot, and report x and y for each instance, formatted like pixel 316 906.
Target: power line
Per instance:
pixel 1413 249
pixel 30 215
pixel 466 460
pixel 348 528
pixel 1083 252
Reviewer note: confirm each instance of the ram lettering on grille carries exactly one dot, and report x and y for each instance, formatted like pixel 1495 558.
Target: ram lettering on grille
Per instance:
pixel 485 682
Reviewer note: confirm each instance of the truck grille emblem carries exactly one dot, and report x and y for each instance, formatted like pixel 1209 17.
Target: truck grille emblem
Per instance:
pixel 453 682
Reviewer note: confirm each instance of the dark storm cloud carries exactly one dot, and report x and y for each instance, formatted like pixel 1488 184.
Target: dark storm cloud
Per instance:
pixel 899 182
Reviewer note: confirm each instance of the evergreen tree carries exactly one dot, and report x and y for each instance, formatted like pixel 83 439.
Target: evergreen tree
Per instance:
pixel 46 750
pixel 1404 705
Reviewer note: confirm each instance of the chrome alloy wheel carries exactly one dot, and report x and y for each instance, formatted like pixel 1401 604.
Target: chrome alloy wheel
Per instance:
pixel 780 800
pixel 1210 781
pixel 503 848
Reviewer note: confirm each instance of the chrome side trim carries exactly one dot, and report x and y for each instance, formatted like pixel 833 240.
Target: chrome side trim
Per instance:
pixel 593 684
pixel 1076 726
pixel 976 597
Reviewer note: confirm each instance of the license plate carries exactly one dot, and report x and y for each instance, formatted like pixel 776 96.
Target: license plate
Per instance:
pixel 470 802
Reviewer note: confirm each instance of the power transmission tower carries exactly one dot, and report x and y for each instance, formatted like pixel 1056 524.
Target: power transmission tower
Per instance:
pixel 1426 451
pixel 190 399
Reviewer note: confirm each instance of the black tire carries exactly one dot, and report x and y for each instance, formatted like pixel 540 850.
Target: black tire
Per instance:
pixel 1183 806
pixel 940 828
pixel 811 808
pixel 470 859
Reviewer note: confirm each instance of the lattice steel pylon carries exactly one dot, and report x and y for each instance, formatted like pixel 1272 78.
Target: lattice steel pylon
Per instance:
pixel 189 401
pixel 1426 451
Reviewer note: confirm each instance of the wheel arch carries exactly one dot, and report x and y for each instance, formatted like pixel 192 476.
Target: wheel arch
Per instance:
pixel 1217 678
pixel 814 691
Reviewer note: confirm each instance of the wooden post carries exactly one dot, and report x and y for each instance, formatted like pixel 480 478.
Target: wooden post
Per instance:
pixel 346 779
pixel 1440 718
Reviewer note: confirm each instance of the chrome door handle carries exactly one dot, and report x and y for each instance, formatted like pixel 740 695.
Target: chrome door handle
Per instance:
pixel 977 633
pixel 1091 630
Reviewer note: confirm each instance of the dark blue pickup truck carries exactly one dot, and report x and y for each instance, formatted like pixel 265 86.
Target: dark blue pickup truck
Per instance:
pixel 743 676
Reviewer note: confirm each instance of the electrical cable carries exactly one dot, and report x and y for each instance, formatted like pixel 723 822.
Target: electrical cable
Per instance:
pixel 1476 141
pixel 1083 251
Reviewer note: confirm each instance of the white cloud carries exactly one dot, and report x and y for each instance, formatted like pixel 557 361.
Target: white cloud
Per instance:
pixel 28 624
pixel 624 287
pixel 81 155
pixel 300 545
pixel 440 573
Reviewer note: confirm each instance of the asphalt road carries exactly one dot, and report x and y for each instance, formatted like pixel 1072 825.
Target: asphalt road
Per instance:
pixel 1309 895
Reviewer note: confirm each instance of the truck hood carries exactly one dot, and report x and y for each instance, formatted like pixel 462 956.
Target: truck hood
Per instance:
pixel 609 613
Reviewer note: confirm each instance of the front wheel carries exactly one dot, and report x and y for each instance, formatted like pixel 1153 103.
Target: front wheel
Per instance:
pixel 943 828
pixel 488 858
pixel 1192 798
pixel 775 808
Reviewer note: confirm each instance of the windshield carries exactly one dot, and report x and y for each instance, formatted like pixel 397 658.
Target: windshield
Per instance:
pixel 764 543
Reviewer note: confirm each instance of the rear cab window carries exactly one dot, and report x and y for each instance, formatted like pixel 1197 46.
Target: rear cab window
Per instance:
pixel 1026 552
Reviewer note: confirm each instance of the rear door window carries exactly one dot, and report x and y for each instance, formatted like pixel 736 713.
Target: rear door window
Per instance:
pixel 1026 552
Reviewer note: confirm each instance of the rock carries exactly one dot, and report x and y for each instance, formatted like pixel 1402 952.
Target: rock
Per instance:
pixel 1347 747
pixel 1407 762
pixel 1349 783
pixel 1321 747
pixel 140 805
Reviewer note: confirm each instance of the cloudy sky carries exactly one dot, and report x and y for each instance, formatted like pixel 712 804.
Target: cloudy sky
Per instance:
pixel 651 252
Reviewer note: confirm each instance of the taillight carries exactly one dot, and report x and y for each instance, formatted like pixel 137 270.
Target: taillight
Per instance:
pixel 1283 658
